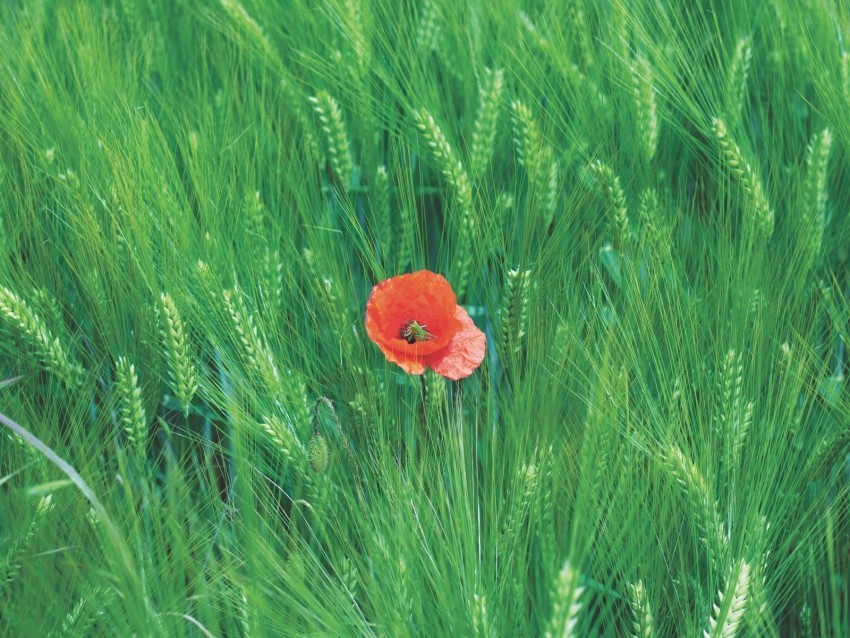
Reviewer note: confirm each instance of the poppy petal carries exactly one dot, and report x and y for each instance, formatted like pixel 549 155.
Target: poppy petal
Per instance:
pixel 423 296
pixel 408 363
pixel 464 353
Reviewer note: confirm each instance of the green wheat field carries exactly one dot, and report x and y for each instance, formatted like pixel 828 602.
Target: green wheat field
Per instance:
pixel 642 203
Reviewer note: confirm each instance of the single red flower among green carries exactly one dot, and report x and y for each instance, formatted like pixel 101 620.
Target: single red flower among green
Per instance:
pixel 416 322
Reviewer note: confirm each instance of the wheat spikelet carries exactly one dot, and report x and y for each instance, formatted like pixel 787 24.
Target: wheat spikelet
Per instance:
pixel 445 156
pixel 53 355
pixel 616 199
pixel 729 610
pixel 566 604
pixel 739 69
pixel 814 195
pixel 695 489
pixel 643 624
pixel 484 129
pixel 747 178
pixel 181 370
pixel 336 136
pixel 132 412
pixel 647 114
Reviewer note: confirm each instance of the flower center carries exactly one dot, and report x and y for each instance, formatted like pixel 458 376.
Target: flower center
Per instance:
pixel 413 332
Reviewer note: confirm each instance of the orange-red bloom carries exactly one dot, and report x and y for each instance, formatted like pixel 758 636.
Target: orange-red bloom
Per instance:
pixel 416 322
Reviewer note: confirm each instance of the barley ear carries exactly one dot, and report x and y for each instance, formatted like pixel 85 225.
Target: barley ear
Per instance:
pixel 10 562
pixel 336 136
pixel 255 351
pixel 814 196
pixel 446 158
pixel 486 122
pixel 728 611
pixel 54 356
pixel 538 159
pixel 739 69
pixel 132 413
pixel 240 16
pixel 694 487
pixel 527 480
pixel 428 31
pixel 647 113
pixel 86 612
pixel 481 627
pixel 747 178
pixel 566 604
pixel 282 437
pixel 455 174
pixel 643 626
pixel 181 369
pixel 514 313
pixel 381 213
pixel 613 191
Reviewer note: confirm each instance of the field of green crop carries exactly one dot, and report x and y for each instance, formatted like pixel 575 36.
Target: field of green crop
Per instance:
pixel 644 206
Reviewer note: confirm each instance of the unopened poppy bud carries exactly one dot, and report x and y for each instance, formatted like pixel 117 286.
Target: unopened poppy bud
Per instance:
pixel 296 567
pixel 317 453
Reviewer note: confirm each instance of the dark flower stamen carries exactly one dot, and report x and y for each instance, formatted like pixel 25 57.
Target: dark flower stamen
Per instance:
pixel 413 332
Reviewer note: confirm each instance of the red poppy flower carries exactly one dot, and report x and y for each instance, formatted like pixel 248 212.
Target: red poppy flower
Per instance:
pixel 416 322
